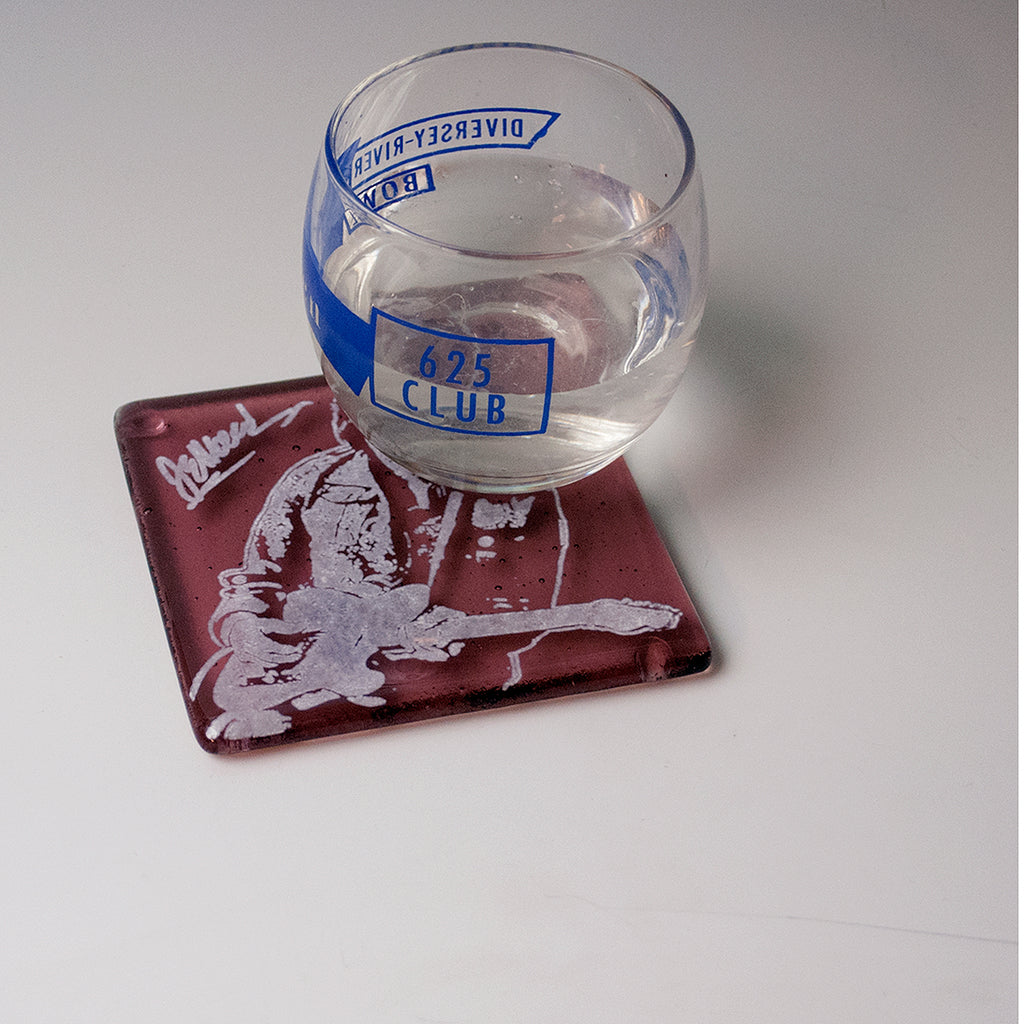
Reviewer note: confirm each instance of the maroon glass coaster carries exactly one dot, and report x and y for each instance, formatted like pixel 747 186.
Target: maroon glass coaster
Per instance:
pixel 310 587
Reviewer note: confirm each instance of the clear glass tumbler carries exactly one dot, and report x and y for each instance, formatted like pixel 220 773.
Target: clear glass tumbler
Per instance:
pixel 505 262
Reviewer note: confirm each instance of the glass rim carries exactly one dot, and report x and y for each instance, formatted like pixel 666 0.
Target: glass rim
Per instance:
pixel 662 214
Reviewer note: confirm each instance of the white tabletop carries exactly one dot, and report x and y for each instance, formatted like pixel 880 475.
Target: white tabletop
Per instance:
pixel 821 828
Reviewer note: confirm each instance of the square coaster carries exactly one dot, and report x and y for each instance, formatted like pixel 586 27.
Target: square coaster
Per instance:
pixel 310 587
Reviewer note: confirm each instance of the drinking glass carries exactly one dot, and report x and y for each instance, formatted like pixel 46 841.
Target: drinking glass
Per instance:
pixel 505 262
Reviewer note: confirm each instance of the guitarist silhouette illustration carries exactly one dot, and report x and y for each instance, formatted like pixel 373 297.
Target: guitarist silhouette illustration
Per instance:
pixel 332 579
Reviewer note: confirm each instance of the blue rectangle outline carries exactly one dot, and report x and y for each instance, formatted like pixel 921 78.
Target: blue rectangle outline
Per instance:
pixel 389 173
pixel 549 342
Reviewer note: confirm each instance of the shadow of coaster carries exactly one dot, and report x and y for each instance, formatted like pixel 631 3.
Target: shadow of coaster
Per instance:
pixel 310 587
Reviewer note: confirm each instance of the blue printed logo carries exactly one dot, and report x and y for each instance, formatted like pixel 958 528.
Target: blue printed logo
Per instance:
pixel 442 380
pixel 460 383
pixel 483 128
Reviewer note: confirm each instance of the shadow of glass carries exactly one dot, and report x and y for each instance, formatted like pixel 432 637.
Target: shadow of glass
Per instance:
pixel 731 443
pixel 755 388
